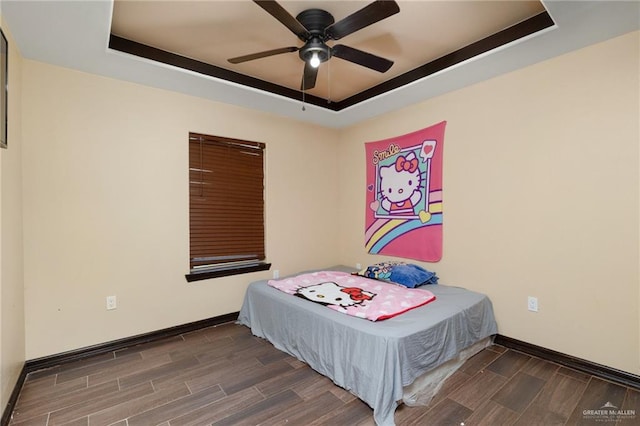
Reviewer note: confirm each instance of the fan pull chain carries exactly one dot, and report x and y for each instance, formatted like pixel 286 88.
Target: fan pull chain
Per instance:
pixel 329 81
pixel 303 108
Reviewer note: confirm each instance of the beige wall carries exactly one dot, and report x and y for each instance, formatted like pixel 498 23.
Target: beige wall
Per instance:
pixel 541 193
pixel 106 206
pixel 12 331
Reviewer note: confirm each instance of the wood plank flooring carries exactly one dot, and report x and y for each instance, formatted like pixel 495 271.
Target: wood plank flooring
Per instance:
pixel 225 376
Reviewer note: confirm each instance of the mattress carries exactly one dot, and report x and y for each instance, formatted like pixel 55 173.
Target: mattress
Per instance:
pixel 373 360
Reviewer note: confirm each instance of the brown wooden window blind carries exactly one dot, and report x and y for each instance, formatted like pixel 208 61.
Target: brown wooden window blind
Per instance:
pixel 226 202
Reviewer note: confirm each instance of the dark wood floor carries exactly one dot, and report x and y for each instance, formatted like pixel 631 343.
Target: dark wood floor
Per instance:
pixel 225 376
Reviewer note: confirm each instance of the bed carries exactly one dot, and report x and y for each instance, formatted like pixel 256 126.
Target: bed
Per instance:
pixel 401 359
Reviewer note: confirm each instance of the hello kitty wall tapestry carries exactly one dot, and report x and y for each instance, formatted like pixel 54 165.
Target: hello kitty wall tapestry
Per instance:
pixel 404 195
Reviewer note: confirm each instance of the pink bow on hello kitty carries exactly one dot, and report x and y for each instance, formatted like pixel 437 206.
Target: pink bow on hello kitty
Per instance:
pixel 356 293
pixel 403 164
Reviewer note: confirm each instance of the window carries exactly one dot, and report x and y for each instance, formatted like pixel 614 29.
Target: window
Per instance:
pixel 226 206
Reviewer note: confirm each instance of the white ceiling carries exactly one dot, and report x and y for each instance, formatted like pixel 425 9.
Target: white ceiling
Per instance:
pixel 75 34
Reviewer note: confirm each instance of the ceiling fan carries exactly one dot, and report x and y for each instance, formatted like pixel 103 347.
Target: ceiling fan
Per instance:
pixel 316 26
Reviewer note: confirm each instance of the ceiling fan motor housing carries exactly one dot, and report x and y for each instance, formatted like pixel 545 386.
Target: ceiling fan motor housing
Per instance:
pixel 315 21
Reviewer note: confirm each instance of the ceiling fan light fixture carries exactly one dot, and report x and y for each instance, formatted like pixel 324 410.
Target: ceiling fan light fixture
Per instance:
pixel 315 52
pixel 315 60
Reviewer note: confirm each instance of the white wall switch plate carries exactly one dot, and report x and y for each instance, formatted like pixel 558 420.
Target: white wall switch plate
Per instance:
pixel 532 303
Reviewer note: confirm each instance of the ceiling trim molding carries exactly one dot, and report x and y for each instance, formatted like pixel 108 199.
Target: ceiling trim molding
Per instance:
pixel 148 52
pixel 511 34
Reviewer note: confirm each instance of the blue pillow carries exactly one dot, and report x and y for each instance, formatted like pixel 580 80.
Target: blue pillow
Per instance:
pixel 406 274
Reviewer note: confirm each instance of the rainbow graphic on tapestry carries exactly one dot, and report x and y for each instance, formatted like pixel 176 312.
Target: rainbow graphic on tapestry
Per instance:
pixel 404 195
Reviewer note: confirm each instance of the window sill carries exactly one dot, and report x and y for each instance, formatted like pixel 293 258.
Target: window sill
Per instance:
pixel 226 271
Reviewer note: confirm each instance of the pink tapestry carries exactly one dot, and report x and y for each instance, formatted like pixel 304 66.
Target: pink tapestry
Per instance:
pixel 404 195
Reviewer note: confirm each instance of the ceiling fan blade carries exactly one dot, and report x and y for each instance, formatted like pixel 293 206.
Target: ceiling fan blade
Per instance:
pixel 264 54
pixel 361 58
pixel 274 9
pixel 309 77
pixel 370 14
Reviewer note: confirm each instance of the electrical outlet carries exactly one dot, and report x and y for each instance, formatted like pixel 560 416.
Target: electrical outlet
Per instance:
pixel 111 302
pixel 276 274
pixel 358 266
pixel 532 303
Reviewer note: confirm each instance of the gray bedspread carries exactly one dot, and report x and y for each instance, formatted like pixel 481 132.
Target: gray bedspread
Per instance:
pixel 372 360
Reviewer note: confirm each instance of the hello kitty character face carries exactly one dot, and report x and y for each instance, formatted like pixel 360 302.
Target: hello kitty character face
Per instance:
pixel 400 185
pixel 330 293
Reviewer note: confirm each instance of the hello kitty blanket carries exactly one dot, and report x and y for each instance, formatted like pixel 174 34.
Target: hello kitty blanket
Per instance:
pixel 354 295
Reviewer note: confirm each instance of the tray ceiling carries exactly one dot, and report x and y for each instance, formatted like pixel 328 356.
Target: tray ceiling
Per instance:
pixel 78 35
pixel 203 35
